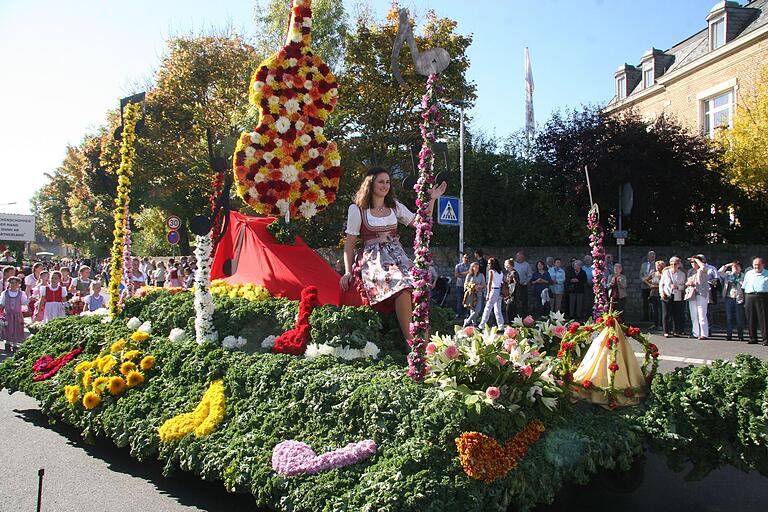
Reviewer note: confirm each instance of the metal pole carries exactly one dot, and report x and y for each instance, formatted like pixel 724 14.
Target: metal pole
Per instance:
pixel 40 473
pixel 619 219
pixel 461 175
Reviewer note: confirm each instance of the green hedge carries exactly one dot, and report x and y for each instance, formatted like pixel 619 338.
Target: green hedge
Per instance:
pixel 702 418
pixel 323 402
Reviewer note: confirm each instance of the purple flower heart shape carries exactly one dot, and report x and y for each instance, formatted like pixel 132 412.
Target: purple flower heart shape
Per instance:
pixel 296 458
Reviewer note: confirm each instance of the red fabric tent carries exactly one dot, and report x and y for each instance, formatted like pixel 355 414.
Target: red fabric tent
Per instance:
pixel 248 253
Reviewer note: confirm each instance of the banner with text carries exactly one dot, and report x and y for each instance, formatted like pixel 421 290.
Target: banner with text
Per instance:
pixel 17 228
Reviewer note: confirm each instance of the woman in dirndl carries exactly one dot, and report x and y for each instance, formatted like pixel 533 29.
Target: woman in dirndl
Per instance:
pixel 382 267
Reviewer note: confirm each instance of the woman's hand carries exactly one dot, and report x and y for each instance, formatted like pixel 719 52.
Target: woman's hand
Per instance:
pixel 345 280
pixel 437 191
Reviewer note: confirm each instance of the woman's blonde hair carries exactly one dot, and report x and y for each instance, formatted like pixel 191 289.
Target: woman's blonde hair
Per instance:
pixel 364 195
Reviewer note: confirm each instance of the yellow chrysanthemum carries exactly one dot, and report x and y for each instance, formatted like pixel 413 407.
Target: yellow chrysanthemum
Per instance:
pixel 99 383
pixel 127 368
pixel 206 417
pixel 108 362
pixel 91 400
pixel 117 346
pixel 134 378
pixel 140 336
pixel 116 385
pixel 87 378
pixel 83 366
pixel 72 393
pixel 131 355
pixel 147 363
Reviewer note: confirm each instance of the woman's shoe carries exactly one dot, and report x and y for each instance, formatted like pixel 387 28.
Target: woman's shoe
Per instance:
pixel 667 335
pixel 702 338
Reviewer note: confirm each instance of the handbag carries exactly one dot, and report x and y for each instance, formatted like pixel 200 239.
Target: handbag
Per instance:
pixel 470 299
pixel 690 293
pixel 505 290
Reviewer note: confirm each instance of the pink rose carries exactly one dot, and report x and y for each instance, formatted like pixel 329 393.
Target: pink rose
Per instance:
pixel 451 352
pixel 509 345
pixel 535 353
pixel 431 347
pixel 510 332
pixel 558 330
pixel 493 392
pixel 469 331
pixel 527 371
pixel 501 360
pixel 528 321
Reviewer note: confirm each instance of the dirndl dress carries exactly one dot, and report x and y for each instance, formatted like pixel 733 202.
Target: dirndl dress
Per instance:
pixel 382 266
pixel 54 303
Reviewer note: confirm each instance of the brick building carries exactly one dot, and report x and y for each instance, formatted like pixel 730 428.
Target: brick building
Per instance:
pixel 701 79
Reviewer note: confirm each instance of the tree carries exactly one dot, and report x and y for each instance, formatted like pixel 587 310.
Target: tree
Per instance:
pixel 150 233
pixel 680 190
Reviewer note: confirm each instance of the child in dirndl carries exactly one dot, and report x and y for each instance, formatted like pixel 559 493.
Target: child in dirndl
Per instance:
pixel 52 298
pixel 11 301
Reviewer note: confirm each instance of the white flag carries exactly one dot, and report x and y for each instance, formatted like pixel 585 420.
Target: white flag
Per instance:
pixel 530 125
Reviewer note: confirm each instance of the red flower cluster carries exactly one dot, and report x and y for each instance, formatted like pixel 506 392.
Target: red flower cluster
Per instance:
pixel 610 321
pixel 654 351
pixel 633 331
pixel 567 345
pixel 295 341
pixel 588 328
pixel 611 341
pixel 47 367
pixel 613 367
pixel 573 328
pixel 629 392
pixel 587 384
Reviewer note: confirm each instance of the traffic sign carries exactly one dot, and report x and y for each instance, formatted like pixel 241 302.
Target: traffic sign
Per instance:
pixel 173 237
pixel 620 234
pixel 448 211
pixel 620 241
pixel 173 222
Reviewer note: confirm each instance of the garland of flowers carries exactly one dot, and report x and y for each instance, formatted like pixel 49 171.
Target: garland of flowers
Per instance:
pixel 203 301
pixel 291 458
pixel 483 458
pixel 345 352
pixel 596 243
pixel 419 327
pixel 286 165
pixel 124 173
pixel 295 341
pixel 127 266
pixel 206 417
pixel 46 367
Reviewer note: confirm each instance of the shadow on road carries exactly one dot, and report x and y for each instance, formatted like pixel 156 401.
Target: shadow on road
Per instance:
pixel 186 488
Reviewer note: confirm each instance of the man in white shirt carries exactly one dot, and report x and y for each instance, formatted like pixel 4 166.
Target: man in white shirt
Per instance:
pixel 525 272
pixel 648 267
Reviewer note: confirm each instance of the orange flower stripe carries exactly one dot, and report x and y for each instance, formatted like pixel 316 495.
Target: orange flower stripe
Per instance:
pixel 483 458
pixel 286 163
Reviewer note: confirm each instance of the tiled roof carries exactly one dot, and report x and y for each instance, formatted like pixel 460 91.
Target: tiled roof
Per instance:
pixel 697 45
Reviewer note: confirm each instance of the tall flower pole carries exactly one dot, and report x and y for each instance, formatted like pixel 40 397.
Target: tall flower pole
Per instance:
pixel 127 269
pixel 596 239
pixel 419 328
pixel 125 171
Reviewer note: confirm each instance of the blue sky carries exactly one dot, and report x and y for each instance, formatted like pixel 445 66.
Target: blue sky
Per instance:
pixel 65 62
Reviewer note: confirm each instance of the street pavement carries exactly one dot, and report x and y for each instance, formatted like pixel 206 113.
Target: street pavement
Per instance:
pixel 100 476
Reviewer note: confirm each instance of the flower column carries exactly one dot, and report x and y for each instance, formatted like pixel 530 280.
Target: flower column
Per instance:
pixel 596 238
pixel 124 173
pixel 203 301
pixel 422 256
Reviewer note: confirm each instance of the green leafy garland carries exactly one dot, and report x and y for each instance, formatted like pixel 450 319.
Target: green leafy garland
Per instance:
pixel 124 173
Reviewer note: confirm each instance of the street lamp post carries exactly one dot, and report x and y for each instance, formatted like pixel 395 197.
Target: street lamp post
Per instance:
pixel 462 105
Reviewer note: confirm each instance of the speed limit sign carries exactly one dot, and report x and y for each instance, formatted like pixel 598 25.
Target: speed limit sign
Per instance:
pixel 173 222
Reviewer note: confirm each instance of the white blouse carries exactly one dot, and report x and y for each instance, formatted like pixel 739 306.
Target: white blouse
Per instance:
pixel 398 214
pixel 4 297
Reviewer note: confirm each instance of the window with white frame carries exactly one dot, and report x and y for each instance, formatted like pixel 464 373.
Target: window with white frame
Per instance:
pixel 717 112
pixel 717 33
pixel 648 77
pixel 621 87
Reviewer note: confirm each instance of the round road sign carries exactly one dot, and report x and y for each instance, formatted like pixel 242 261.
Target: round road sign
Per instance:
pixel 173 237
pixel 173 222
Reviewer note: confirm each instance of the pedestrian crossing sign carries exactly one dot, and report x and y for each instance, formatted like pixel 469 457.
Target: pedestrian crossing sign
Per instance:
pixel 448 211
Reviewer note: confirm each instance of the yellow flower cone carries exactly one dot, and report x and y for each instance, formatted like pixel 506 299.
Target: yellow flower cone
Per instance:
pixel 203 420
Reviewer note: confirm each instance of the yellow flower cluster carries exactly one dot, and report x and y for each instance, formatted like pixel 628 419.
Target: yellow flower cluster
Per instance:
pixel 202 421
pixel 125 171
pixel 246 291
pixel 113 371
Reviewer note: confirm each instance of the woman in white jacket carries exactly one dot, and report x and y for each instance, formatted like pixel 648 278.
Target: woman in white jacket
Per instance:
pixel 671 286
pixel 698 280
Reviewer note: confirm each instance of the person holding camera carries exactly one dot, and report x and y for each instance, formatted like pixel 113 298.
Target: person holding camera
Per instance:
pixel 697 295
pixel 732 277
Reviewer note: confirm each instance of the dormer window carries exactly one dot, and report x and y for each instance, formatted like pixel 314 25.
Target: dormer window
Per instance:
pixel 717 33
pixel 648 77
pixel 621 88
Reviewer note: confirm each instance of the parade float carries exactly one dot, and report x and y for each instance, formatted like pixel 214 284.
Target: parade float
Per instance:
pixel 278 389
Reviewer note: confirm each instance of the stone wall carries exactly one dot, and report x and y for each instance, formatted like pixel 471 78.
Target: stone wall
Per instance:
pixel 632 257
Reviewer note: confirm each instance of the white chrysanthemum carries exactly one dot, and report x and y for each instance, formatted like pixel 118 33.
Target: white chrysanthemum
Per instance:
pixel 305 139
pixel 334 91
pixel 318 130
pixel 326 350
pixel 134 323
pixel 282 124
pixel 282 205
pixel 177 335
pixel 268 342
pixel 255 138
pixel 312 351
pixel 296 36
pixel 308 210
pixel 146 327
pixel 240 342
pixel 268 156
pixel 307 22
pixel 308 85
pixel 335 162
pixel 273 100
pixel 258 178
pixel 313 153
pixel 299 124
pixel 307 99
pixel 250 151
pixel 258 85
pixel 292 62
pixel 320 168
pixel 229 343
pixel 371 350
pixel 290 173
pixel 278 142
pixel 292 106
